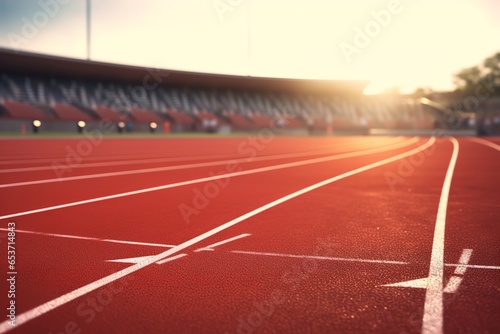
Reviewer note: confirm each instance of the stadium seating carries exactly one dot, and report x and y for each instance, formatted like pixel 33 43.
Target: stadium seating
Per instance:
pixel 107 113
pixel 238 121
pixel 23 110
pixel 203 109
pixel 180 117
pixel 68 112
pixel 144 116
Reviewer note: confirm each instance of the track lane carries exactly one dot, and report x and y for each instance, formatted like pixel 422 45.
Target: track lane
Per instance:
pixel 13 198
pixel 68 172
pixel 473 224
pixel 129 270
pixel 161 209
pixel 314 297
pixel 45 151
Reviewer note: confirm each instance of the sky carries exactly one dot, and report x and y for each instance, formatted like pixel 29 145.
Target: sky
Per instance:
pixel 406 43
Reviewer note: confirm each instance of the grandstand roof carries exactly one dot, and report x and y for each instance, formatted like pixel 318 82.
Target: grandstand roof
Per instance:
pixel 45 65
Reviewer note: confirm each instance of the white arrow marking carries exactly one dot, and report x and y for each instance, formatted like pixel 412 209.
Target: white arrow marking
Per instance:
pixel 168 259
pixel 420 283
pixel 456 279
pixel 135 260
pixel 212 246
pixel 453 283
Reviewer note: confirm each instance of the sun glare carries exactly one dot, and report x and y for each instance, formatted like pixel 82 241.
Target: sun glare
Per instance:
pixel 403 43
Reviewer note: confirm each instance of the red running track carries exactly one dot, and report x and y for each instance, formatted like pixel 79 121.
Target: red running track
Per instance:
pixel 251 235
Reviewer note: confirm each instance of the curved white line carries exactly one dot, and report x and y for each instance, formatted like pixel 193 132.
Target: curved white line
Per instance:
pixel 432 322
pixel 485 143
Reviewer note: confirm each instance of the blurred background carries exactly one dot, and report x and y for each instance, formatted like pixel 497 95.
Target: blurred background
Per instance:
pixel 424 63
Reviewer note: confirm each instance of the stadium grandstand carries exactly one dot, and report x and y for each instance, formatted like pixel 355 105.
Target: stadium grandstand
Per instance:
pixel 59 93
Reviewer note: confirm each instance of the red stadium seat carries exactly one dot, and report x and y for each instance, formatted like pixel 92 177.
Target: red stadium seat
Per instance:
pixel 24 110
pixel 70 113
pixel 144 116
pixel 107 113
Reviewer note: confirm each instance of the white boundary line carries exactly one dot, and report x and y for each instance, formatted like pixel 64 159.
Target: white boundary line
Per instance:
pixel 70 296
pixel 462 265
pixel 359 260
pixel 314 257
pixel 169 159
pixel 110 158
pixel 106 158
pixel 476 266
pixel 162 169
pixel 216 177
pixel 432 322
pixel 90 238
pixel 112 163
pixel 485 143
pixel 102 158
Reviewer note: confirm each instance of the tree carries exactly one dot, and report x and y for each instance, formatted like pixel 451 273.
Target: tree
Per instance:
pixel 468 78
pixel 493 65
pixel 486 74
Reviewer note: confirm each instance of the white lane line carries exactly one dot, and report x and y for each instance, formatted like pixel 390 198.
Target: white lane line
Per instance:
pixel 63 164
pixel 90 238
pixel 486 143
pixel 70 296
pixel 456 279
pixel 111 159
pixel 314 257
pixel 162 160
pixel 433 308
pixel 160 169
pixel 119 163
pixel 212 246
pixel 157 169
pixel 216 177
pixel 476 266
